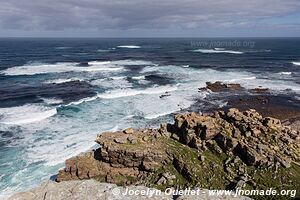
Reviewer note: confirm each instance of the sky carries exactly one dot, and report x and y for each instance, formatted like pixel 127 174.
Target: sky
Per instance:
pixel 149 18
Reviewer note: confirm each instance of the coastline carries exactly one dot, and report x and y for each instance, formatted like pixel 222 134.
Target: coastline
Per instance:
pixel 263 102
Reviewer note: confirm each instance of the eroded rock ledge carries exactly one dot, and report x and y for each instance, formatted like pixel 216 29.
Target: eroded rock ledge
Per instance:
pixel 222 150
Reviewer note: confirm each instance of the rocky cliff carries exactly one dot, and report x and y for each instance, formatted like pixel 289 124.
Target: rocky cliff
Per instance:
pixel 221 150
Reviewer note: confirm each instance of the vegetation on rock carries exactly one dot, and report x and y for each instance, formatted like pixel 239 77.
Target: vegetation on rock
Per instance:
pixel 222 150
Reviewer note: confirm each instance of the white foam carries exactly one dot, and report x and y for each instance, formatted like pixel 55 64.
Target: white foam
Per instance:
pixel 131 92
pixel 112 82
pixel 149 69
pixel 129 46
pixel 114 129
pixel 185 66
pixel 61 48
pixel 217 51
pixel 118 77
pixel 153 107
pixel 25 114
pixel 87 99
pixel 138 77
pixel 132 62
pixel 33 69
pixel 73 130
pixel 52 100
pixel 128 117
pixel 61 80
pixel 154 116
pixel 55 159
pixel 99 63
pixel 241 79
pixel 285 73
pixel 103 50
pixel 296 63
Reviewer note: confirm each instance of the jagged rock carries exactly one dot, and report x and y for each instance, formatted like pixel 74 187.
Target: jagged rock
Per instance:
pixel 162 181
pixel 271 122
pixel 249 155
pixel 259 90
pixel 116 158
pixel 236 133
pixel 219 86
pixel 121 140
pixel 132 139
pixel 166 178
pixel 226 142
pixel 285 162
pixel 202 158
pixel 128 131
pixel 189 146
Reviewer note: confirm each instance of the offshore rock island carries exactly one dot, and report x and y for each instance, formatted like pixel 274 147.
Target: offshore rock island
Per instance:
pixel 220 150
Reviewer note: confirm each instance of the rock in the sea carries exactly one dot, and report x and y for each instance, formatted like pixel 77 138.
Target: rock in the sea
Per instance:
pixel 219 86
pixel 259 90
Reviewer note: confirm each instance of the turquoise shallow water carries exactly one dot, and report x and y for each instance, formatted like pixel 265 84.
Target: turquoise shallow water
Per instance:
pixel 56 95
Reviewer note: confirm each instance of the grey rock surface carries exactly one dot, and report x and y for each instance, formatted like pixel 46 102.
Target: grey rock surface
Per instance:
pixel 204 195
pixel 85 190
pixel 94 190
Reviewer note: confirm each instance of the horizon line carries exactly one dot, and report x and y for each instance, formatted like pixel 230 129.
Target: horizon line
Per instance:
pixel 171 37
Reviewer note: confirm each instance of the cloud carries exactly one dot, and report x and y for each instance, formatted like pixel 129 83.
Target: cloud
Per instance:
pixel 59 15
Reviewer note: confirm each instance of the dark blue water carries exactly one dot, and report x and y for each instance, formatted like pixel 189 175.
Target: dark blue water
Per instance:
pixel 57 94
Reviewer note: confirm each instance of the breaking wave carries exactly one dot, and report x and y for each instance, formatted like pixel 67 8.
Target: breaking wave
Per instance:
pixel 25 114
pixel 33 69
pixel 131 92
pixel 61 80
pixel 129 46
pixel 296 63
pixel 217 51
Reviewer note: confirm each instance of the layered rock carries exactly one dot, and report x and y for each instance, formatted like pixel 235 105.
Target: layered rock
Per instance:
pixel 233 148
pixel 256 140
pixel 125 157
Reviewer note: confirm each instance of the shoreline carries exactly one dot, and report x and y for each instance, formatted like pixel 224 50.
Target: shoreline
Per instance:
pixel 271 104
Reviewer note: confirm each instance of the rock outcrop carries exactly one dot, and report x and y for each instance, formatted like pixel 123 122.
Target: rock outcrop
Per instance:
pixel 233 148
pixel 94 190
pixel 256 140
pixel 218 86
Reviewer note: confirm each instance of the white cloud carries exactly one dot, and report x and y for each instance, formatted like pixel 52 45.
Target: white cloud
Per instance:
pixel 139 14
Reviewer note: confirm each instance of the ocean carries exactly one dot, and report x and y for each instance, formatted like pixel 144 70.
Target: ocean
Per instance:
pixel 56 95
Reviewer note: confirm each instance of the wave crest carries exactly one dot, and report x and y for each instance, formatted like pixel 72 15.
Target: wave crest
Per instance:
pixel 296 63
pixel 130 92
pixel 33 69
pixel 25 114
pixel 217 51
pixel 129 46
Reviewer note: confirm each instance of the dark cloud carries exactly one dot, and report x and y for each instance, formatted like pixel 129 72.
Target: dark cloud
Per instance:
pixel 59 15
